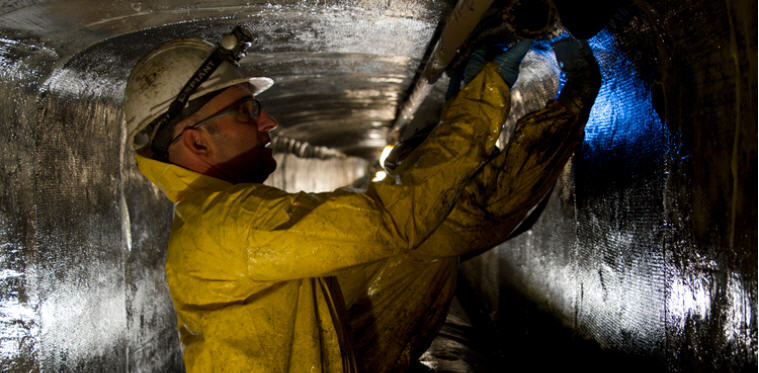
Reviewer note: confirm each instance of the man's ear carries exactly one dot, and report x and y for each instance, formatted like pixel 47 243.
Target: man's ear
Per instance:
pixel 197 141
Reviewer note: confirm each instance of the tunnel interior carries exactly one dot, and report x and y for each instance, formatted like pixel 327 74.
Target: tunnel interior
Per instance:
pixel 644 257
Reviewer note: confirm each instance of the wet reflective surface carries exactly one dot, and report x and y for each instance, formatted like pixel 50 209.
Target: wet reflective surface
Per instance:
pixel 645 258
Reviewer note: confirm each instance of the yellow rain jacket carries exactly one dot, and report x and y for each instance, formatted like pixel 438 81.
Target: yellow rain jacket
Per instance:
pixel 250 267
pixel 396 305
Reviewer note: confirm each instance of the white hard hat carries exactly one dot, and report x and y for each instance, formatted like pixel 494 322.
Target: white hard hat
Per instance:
pixel 159 76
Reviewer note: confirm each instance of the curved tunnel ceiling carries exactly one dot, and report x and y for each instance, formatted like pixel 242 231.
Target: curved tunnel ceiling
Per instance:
pixel 340 67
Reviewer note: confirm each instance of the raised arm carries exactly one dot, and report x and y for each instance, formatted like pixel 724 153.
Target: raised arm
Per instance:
pixel 513 182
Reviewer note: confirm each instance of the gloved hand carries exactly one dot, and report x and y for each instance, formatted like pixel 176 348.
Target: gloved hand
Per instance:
pixel 574 56
pixel 473 66
pixel 454 83
pixel 475 63
pixel 580 66
pixel 508 62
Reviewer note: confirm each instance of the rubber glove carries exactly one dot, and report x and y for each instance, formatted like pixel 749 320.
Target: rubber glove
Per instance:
pixel 454 83
pixel 475 63
pixel 508 62
pixel 473 66
pixel 580 67
pixel 574 56
pixel 508 65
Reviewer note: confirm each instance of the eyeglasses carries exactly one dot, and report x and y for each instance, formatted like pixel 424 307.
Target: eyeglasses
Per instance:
pixel 245 110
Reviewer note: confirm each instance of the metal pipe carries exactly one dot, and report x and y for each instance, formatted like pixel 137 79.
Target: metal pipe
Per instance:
pixel 460 23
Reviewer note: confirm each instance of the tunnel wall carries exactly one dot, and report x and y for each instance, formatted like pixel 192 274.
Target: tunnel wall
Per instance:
pixel 84 288
pixel 648 246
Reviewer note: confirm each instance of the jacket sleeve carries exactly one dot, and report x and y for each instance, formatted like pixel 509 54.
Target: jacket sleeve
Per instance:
pixel 282 236
pixel 497 199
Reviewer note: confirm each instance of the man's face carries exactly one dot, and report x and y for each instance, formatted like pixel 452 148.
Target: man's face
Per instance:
pixel 240 143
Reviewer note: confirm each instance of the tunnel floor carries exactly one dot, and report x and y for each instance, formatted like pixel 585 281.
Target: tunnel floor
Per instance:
pixel 534 341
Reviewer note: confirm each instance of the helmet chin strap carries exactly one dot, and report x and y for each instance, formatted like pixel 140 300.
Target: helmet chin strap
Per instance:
pixel 232 48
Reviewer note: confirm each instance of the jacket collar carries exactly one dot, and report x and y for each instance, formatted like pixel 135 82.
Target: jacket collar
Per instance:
pixel 175 181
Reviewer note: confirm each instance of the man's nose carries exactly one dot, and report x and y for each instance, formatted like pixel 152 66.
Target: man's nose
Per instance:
pixel 266 122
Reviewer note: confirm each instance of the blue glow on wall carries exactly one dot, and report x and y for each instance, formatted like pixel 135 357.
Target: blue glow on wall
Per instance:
pixel 625 140
pixel 623 121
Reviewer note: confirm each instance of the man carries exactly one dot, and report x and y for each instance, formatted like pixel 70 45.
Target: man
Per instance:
pixel 250 268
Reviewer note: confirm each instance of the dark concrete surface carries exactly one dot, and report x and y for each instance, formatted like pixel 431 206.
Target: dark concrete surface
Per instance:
pixel 644 260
